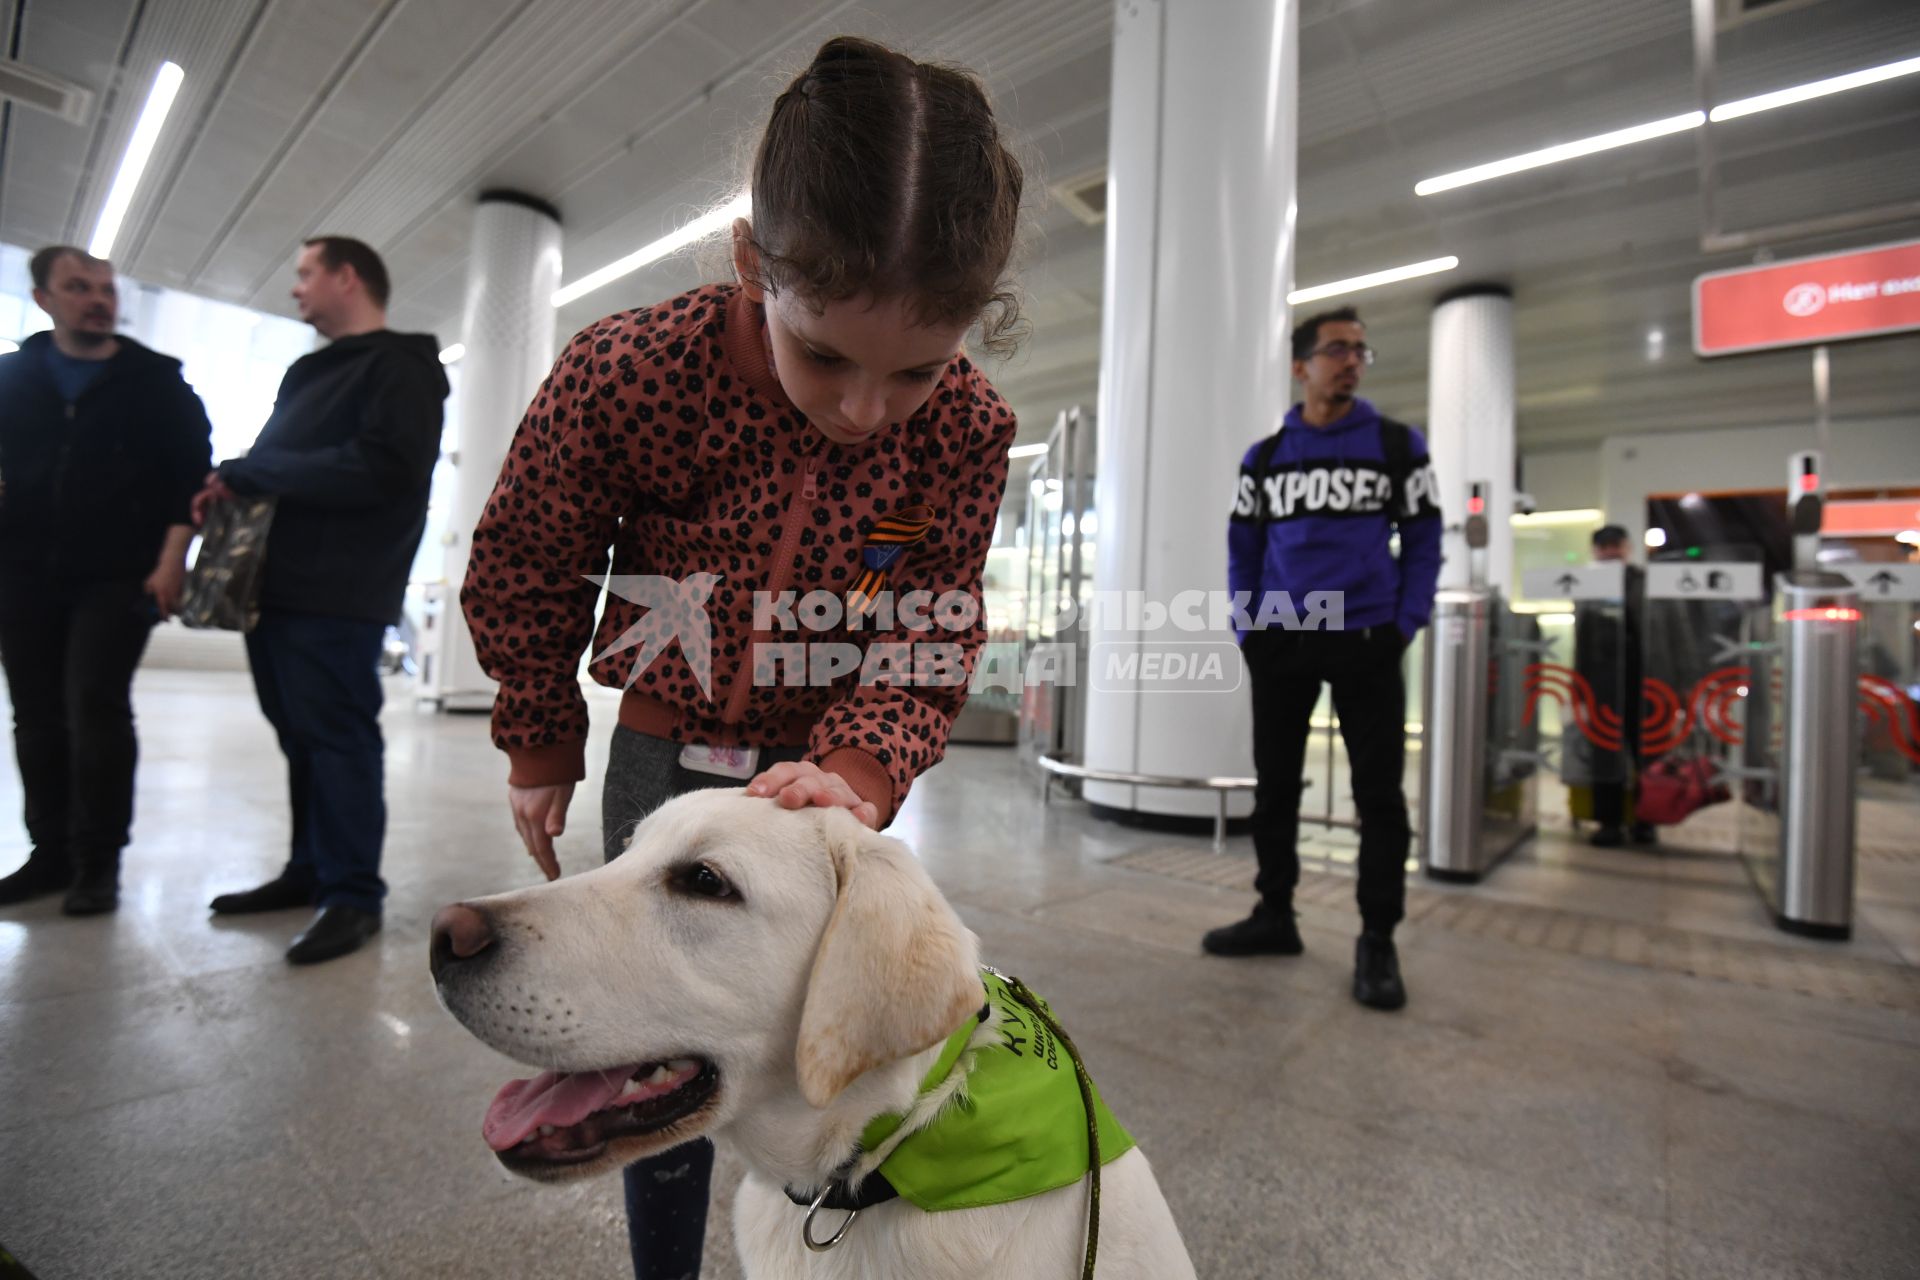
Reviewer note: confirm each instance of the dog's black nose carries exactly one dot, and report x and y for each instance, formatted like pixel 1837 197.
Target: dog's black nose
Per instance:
pixel 460 932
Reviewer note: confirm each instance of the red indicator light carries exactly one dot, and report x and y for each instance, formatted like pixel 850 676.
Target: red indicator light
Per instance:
pixel 1809 483
pixel 1822 615
pixel 1476 506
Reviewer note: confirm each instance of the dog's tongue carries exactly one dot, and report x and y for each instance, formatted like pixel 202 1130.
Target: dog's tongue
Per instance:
pixel 556 1098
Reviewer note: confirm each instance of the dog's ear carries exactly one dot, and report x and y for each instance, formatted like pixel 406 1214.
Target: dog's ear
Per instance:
pixel 896 971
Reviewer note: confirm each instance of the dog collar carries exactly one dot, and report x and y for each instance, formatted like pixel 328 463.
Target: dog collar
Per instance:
pixel 873 1188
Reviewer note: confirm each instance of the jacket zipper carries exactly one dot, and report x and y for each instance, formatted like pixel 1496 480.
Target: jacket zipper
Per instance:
pixel 782 577
pixel 57 561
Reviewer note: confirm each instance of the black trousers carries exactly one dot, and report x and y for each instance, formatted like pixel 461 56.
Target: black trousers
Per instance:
pixel 70 652
pixel 1286 670
pixel 666 1193
pixel 318 682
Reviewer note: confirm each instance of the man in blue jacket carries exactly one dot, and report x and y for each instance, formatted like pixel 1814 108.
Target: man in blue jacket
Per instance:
pixel 348 458
pixel 1318 504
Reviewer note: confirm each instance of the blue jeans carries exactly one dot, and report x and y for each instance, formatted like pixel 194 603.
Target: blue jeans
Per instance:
pixel 319 686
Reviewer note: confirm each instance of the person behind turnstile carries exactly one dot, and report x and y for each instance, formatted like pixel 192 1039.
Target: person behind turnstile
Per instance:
pixel 1606 652
pixel 1318 503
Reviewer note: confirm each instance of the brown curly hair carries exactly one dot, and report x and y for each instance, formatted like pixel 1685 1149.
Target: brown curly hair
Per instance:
pixel 880 174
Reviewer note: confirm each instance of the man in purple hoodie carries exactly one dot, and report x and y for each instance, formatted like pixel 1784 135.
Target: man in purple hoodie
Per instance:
pixel 1317 507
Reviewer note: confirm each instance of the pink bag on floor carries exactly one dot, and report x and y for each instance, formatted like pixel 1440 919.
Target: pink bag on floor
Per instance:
pixel 1671 790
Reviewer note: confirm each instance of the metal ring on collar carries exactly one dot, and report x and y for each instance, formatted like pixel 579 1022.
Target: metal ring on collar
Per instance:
pixel 806 1226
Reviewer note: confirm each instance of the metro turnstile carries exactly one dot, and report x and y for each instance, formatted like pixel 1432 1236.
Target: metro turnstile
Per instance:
pixel 1801 851
pixel 1476 777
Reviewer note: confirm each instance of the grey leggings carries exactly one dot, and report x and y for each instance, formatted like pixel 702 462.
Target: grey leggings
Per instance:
pixel 666 1193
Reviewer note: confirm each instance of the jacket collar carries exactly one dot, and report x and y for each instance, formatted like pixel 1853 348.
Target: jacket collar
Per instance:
pixel 745 343
pixel 1362 412
pixel 131 356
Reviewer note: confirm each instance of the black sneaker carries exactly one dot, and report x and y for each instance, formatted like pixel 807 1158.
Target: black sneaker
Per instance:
pixel 1266 932
pixel 1376 973
pixel 282 893
pixel 1643 833
pixel 44 872
pixel 334 932
pixel 1607 838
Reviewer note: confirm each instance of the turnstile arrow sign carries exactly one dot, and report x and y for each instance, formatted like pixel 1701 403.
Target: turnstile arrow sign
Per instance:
pixel 1604 581
pixel 1881 583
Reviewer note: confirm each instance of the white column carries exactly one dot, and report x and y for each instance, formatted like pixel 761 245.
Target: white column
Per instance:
pixel 1470 428
pixel 1194 361
pixel 508 331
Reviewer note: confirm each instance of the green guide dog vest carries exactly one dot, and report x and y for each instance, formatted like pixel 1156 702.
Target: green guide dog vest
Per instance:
pixel 1014 1127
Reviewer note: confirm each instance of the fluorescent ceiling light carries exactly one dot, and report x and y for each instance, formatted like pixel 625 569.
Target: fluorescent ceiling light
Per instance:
pixel 1412 271
pixel 1818 89
pixel 146 132
pixel 1661 128
pixel 1565 151
pixel 698 229
pixel 1026 450
pixel 452 354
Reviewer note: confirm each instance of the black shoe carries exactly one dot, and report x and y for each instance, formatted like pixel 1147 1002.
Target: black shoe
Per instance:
pixel 1376 973
pixel 281 893
pixel 332 933
pixel 96 889
pixel 42 873
pixel 1643 833
pixel 1607 838
pixel 1264 933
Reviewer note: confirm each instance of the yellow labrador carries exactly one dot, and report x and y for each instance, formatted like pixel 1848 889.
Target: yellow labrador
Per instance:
pixel 776 979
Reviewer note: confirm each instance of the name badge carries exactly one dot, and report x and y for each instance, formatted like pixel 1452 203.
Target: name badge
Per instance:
pixel 722 762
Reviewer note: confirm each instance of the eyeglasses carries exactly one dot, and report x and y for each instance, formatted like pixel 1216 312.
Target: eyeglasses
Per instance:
pixel 1339 351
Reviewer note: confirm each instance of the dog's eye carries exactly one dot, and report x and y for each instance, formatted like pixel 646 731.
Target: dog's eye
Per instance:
pixel 702 881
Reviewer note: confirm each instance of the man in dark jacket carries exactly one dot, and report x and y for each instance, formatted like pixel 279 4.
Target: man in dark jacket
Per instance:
pixel 348 456
pixel 1606 651
pixel 1318 504
pixel 102 444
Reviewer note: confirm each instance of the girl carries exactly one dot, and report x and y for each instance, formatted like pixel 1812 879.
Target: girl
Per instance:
pixel 814 428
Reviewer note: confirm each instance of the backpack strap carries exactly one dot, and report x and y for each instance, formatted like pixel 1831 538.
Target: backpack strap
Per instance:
pixel 1262 463
pixel 1396 443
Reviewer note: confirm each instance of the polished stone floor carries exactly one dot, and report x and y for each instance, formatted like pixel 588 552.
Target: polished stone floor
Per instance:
pixel 176 1101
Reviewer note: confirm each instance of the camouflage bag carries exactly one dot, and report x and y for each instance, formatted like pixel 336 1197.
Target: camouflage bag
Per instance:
pixel 223 587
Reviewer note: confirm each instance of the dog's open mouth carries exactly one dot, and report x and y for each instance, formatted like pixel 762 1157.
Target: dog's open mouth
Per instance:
pixel 561 1118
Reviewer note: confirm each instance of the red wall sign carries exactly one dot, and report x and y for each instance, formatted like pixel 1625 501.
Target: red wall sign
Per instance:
pixel 1808 300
